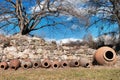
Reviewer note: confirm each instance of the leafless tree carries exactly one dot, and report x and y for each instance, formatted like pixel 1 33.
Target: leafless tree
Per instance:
pixel 107 11
pixel 28 14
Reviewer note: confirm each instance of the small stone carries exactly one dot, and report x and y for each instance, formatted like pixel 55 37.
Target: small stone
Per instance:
pixel 25 56
pixel 39 51
pixel 64 57
pixel 10 56
pixel 65 48
pixel 11 49
pixel 71 57
pixel 80 51
pixel 4 58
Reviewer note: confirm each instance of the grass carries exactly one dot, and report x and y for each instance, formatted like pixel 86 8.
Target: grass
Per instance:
pixel 62 74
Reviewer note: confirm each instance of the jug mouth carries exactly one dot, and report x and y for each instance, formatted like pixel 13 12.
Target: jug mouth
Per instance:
pixel 109 55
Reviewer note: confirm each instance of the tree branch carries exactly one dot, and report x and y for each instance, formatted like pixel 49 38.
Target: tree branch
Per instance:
pixel 54 24
pixel 14 5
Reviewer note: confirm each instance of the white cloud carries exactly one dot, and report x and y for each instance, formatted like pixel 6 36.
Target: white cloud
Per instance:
pixel 73 27
pixel 62 41
pixel 67 40
pixel 49 40
pixel 72 3
pixel 37 8
pixel 75 2
pixel 42 5
pixel 77 6
pixel 104 10
pixel 69 18
pixel 4 16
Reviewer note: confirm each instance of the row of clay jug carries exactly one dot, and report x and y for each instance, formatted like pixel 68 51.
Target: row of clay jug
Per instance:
pixel 103 56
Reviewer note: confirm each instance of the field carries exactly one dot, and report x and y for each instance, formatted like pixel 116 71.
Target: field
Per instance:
pixel 93 73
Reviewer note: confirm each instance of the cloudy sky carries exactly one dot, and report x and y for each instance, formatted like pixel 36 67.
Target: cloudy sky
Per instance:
pixel 71 30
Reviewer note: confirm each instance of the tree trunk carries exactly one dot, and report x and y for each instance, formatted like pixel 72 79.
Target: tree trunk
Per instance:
pixel 119 32
pixel 24 30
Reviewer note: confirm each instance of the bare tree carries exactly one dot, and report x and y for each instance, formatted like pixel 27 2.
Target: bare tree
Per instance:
pixel 28 14
pixel 105 11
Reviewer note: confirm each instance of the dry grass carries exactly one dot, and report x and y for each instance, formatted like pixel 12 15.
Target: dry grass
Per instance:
pixel 95 73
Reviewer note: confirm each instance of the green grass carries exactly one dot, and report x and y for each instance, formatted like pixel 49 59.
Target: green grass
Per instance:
pixel 62 74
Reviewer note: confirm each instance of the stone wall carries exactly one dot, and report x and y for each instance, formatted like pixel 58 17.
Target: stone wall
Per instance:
pixel 24 47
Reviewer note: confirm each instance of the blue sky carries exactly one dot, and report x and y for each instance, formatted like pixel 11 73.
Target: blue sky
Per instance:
pixel 75 30
pixel 70 30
